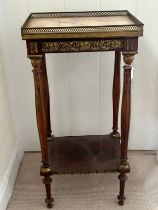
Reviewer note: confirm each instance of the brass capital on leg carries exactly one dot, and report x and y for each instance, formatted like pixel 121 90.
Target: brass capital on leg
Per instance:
pixel 36 60
pixel 128 58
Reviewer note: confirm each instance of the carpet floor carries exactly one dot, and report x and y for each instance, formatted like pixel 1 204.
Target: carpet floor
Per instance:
pixel 84 192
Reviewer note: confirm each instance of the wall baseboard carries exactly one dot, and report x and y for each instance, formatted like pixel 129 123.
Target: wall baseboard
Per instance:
pixel 6 188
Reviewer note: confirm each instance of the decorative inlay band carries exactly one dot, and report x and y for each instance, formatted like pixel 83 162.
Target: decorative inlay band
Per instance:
pixel 33 47
pixel 86 172
pixel 80 46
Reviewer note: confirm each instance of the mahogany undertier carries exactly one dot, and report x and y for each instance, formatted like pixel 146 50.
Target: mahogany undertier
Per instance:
pixel 84 154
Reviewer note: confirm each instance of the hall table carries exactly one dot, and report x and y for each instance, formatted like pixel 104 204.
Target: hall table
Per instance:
pixel 64 32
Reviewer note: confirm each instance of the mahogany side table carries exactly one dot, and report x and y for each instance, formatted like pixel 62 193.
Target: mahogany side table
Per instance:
pixel 64 32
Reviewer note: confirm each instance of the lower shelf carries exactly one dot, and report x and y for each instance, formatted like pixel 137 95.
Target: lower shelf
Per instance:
pixel 84 154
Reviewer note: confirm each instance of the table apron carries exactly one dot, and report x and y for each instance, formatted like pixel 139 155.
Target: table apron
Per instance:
pixel 38 47
pixel 64 46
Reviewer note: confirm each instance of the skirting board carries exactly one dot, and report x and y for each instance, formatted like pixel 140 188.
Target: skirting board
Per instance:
pixel 7 185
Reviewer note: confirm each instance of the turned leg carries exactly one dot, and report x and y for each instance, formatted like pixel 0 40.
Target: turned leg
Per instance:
pixel 49 200
pixel 116 93
pixel 42 122
pixel 125 122
pixel 122 177
pixel 46 97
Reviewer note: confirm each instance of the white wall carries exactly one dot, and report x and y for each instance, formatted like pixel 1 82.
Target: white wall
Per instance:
pixel 10 151
pixel 7 135
pixel 80 84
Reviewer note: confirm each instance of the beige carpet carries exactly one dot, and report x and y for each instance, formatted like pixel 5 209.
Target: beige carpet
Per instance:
pixel 84 192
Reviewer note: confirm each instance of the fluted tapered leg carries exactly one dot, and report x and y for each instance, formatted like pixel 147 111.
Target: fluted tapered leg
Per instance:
pixel 125 122
pixel 39 82
pixel 46 97
pixel 116 93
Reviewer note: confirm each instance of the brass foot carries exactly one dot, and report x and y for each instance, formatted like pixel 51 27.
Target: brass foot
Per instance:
pixel 49 202
pixel 121 199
